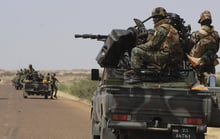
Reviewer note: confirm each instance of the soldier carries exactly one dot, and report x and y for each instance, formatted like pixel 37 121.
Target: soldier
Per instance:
pixel 54 85
pixel 29 72
pixel 31 69
pixel 205 45
pixel 162 47
pixel 48 77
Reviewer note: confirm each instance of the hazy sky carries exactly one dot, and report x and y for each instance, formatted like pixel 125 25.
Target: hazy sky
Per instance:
pixel 41 32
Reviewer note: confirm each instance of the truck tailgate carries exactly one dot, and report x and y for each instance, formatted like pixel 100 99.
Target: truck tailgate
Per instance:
pixel 164 105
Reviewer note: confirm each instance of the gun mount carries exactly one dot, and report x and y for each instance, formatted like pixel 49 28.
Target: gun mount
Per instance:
pixel 115 44
pixel 120 41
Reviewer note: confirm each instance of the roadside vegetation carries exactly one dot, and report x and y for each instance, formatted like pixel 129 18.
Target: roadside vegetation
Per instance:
pixel 82 89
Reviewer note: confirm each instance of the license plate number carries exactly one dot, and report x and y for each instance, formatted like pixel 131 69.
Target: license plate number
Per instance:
pixel 183 133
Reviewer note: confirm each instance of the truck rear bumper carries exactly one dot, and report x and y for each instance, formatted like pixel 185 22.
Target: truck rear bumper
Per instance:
pixel 129 125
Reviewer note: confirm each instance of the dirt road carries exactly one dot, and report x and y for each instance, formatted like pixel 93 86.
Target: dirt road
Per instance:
pixel 39 118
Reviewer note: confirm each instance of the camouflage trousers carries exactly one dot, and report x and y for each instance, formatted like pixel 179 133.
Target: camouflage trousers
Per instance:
pixel 202 73
pixel 140 58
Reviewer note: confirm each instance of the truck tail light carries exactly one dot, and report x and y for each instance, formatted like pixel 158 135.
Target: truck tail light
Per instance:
pixel 193 121
pixel 121 117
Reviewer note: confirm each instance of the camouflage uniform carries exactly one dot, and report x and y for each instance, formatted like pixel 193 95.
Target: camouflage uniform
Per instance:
pixel 162 48
pixel 205 45
pixel 54 85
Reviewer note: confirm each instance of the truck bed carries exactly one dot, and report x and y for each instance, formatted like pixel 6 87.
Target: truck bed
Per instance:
pixel 156 107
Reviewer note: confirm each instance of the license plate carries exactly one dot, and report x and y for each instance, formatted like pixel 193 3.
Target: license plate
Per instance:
pixel 183 133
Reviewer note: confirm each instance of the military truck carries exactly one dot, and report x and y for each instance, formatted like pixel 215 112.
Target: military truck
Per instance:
pixel 163 104
pixel 34 85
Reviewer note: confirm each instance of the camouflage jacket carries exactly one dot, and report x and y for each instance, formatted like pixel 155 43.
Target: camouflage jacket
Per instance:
pixel 205 44
pixel 165 39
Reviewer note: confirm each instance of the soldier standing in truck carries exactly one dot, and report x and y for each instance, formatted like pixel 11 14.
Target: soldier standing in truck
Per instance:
pixel 205 45
pixel 31 69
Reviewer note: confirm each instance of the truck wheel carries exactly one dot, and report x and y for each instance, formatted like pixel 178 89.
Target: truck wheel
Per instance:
pixel 106 133
pixel 25 95
pixel 20 87
pixel 95 137
pixel 46 96
pixel 200 136
pixel 95 128
pixel 122 136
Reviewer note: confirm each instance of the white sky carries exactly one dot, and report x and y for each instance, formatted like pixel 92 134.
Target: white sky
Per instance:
pixel 41 32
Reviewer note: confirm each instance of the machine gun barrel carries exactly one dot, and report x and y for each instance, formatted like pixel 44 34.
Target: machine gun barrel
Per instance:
pixel 91 36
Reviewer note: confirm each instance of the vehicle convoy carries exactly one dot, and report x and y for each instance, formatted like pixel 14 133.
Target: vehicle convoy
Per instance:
pixel 34 85
pixel 163 104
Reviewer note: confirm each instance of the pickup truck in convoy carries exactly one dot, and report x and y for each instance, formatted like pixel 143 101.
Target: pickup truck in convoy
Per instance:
pixel 37 88
pixel 34 85
pixel 164 104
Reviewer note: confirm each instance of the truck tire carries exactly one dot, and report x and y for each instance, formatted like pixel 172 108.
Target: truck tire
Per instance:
pixel 106 133
pixel 200 136
pixel 46 96
pixel 121 136
pixel 25 95
pixel 95 137
pixel 95 127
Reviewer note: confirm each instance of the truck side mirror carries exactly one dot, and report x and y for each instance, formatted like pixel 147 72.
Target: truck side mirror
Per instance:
pixel 95 75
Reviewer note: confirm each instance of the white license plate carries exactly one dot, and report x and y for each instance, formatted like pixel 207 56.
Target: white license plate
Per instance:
pixel 183 133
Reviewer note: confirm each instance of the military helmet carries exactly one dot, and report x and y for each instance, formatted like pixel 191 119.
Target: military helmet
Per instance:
pixel 159 11
pixel 204 16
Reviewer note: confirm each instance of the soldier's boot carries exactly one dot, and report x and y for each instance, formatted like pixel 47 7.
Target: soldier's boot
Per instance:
pixel 51 94
pixel 55 95
pixel 198 83
pixel 205 79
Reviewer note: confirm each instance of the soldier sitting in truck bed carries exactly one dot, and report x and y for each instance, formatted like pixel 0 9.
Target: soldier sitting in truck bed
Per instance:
pixel 160 51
